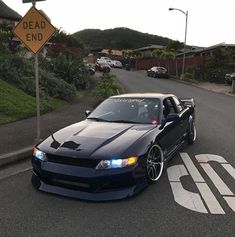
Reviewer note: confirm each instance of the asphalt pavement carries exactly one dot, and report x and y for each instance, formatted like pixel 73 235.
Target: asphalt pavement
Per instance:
pixel 199 206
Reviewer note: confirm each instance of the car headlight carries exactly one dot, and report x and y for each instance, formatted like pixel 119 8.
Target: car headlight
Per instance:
pixel 39 154
pixel 117 163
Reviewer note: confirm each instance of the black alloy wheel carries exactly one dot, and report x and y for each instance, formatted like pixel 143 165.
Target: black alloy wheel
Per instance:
pixel 155 163
pixel 192 133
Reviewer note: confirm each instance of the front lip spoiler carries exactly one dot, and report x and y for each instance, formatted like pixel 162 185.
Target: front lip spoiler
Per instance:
pixel 98 197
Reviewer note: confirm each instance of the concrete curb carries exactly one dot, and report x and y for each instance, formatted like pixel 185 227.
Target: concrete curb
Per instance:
pixel 16 156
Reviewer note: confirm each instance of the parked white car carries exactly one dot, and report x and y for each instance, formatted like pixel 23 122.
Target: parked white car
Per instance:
pixel 105 60
pixel 117 64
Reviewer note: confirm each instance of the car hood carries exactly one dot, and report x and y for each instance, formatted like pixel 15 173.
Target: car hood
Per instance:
pixel 91 139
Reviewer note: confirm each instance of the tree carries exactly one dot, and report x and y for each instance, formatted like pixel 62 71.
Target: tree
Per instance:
pixel 157 54
pixel 174 45
pixel 167 56
pixel 218 63
pixel 65 43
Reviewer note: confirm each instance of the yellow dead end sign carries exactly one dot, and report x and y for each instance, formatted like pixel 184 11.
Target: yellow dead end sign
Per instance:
pixel 34 30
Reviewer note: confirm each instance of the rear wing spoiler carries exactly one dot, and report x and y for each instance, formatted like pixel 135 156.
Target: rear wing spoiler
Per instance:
pixel 189 102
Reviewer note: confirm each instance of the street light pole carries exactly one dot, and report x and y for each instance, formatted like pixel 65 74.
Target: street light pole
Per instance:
pixel 185 34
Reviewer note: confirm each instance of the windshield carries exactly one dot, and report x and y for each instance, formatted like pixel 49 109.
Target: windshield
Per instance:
pixel 129 110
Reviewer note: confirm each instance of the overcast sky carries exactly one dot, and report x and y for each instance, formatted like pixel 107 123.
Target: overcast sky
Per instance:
pixel 210 21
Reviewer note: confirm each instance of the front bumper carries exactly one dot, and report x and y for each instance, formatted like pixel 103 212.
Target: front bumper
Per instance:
pixel 88 183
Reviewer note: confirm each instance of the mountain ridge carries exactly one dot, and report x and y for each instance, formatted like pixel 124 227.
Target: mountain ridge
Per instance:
pixel 118 38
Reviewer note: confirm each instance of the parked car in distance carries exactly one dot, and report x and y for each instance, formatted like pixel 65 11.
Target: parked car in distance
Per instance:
pixel 117 64
pixel 229 78
pixel 105 60
pixel 102 67
pixel 90 69
pixel 159 72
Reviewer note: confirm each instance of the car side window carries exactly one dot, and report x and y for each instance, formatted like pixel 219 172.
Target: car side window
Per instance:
pixel 178 104
pixel 168 107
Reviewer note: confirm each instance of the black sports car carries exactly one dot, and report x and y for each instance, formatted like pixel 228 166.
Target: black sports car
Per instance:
pixel 118 150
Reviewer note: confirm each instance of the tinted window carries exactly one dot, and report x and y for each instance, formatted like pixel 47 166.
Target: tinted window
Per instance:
pixel 168 107
pixel 178 104
pixel 136 110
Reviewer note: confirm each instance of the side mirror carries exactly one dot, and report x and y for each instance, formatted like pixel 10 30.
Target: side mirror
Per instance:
pixel 172 117
pixel 87 112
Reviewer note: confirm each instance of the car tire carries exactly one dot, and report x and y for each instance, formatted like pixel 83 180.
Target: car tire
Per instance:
pixel 192 133
pixel 154 163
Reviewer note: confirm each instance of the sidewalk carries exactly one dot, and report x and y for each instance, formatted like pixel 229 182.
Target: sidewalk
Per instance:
pixel 18 138
pixel 218 88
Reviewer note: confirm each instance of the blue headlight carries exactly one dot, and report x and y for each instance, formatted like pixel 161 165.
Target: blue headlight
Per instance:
pixel 39 154
pixel 117 163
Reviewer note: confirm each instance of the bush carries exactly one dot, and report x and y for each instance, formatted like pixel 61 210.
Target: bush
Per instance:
pixel 15 104
pixel 186 76
pixel 4 40
pixel 71 70
pixel 20 72
pixel 56 87
pixel 107 87
pixel 215 74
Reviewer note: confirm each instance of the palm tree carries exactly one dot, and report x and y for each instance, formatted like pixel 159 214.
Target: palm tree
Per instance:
pixel 167 56
pixel 157 54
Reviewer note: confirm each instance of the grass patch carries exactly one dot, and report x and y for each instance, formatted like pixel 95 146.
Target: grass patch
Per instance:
pixel 16 104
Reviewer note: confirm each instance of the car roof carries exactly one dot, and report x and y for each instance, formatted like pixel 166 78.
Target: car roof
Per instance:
pixel 144 95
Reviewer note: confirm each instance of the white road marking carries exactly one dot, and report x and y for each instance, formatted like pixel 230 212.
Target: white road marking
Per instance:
pixel 194 201
pixel 218 182
pixel 229 169
pixel 175 173
pixel 183 197
pixel 204 158
pixel 204 189
pixel 231 202
pixel 191 168
pixel 210 199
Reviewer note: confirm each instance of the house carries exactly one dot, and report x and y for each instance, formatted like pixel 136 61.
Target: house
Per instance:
pixel 193 56
pixel 8 16
pixel 113 52
pixel 197 56
pixel 147 51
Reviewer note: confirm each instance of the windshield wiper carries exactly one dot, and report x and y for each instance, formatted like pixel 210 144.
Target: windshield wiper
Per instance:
pixel 98 119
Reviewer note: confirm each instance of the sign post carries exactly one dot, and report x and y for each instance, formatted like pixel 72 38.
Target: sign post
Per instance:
pixel 34 30
pixel 38 137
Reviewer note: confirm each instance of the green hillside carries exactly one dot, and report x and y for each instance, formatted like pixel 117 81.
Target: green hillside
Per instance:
pixel 16 104
pixel 118 38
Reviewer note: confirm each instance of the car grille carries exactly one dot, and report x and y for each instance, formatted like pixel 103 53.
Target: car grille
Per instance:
pixel 88 163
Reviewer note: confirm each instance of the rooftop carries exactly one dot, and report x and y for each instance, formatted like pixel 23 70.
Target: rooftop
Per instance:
pixel 150 47
pixel 7 13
